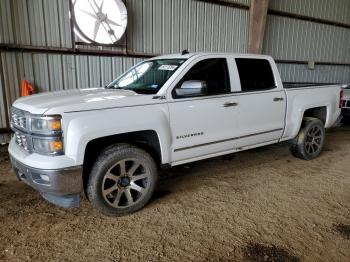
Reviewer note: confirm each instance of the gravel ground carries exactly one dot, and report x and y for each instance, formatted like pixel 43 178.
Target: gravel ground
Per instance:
pixel 259 205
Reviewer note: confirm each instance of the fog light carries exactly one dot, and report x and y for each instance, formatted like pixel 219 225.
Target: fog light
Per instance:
pixel 45 178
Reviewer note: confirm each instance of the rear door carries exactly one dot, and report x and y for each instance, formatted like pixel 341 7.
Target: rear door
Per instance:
pixel 203 125
pixel 262 104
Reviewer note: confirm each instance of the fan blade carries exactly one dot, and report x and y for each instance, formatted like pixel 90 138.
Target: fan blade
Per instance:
pixel 89 14
pixel 97 27
pixel 96 5
pixel 109 21
pixel 101 6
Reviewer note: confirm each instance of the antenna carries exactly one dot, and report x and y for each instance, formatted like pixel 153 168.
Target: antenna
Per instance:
pixel 185 52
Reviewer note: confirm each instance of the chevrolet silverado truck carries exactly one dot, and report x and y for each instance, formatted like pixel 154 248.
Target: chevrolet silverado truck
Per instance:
pixel 166 111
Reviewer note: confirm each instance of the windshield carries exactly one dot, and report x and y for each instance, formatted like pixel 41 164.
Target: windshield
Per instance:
pixel 147 77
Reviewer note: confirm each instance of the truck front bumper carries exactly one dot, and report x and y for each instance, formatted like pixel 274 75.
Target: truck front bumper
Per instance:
pixel 61 187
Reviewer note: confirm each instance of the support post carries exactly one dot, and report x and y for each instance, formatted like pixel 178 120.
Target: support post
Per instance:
pixel 257 22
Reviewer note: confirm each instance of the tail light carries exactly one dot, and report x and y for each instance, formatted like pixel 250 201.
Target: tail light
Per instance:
pixel 341 98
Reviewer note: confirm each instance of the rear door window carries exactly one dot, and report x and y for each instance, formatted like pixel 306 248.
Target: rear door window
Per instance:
pixel 255 74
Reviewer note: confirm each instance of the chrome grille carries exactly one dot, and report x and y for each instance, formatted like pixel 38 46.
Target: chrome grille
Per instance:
pixel 18 118
pixel 19 123
pixel 22 140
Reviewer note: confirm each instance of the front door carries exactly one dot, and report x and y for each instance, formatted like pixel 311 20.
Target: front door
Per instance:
pixel 203 122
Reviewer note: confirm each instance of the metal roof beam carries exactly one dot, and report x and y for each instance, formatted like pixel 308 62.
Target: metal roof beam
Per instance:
pixel 257 22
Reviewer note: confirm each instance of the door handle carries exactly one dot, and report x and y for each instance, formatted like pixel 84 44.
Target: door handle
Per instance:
pixel 229 104
pixel 276 99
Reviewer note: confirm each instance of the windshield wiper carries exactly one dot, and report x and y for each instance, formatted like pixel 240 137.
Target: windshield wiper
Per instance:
pixel 113 87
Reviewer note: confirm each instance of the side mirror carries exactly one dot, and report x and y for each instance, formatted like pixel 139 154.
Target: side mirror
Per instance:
pixel 192 88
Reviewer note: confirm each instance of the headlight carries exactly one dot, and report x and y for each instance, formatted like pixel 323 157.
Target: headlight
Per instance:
pixel 48 146
pixel 46 125
pixel 47 138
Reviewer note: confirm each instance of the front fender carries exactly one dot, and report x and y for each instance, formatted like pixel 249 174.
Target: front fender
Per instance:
pixel 83 127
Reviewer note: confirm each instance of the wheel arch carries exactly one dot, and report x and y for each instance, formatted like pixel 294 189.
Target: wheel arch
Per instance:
pixel 317 112
pixel 147 140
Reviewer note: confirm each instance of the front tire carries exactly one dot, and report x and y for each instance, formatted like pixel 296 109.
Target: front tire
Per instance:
pixel 310 140
pixel 122 180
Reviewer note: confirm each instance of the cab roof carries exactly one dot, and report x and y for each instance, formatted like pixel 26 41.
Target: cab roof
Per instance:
pixel 199 54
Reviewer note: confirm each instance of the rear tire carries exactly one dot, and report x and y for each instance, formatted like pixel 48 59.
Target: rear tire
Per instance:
pixel 122 180
pixel 310 140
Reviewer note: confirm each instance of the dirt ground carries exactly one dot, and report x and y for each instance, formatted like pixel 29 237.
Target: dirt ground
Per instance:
pixel 260 205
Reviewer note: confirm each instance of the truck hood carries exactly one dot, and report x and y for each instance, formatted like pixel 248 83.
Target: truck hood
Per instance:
pixel 78 100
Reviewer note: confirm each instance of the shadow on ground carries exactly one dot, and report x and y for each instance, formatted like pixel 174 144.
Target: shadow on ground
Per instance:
pixel 263 253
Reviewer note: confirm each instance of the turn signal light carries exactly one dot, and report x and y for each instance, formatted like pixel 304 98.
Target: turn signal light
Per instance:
pixel 56 146
pixel 55 125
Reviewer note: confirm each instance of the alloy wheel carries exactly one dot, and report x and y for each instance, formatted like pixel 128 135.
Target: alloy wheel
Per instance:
pixel 125 183
pixel 313 140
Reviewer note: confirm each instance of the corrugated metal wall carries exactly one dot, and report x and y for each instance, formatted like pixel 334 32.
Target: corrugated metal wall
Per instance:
pixel 5 138
pixel 3 107
pixel 51 72
pixel 334 10
pixel 154 26
pixel 321 74
pixel 35 23
pixel 243 2
pixel 168 26
pixel 293 39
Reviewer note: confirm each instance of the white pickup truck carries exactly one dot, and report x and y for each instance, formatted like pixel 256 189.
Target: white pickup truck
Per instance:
pixel 110 142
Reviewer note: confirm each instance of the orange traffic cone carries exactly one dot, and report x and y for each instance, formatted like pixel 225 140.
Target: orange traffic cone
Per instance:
pixel 27 88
